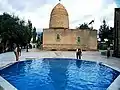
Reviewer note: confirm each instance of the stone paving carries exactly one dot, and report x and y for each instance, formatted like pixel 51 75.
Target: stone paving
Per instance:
pixel 9 57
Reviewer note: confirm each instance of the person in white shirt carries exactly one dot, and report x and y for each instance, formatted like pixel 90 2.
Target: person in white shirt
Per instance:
pixel 19 51
pixel 16 53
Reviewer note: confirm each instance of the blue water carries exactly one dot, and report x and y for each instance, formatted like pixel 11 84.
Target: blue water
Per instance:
pixel 59 74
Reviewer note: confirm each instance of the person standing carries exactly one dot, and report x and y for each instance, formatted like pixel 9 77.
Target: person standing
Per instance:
pixel 78 53
pixel 19 50
pixel 16 52
pixel 108 52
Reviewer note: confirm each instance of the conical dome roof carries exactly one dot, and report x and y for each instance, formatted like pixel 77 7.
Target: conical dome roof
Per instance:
pixel 59 8
pixel 59 17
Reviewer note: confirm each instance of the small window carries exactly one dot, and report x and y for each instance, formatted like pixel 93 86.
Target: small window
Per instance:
pixel 58 37
pixel 78 39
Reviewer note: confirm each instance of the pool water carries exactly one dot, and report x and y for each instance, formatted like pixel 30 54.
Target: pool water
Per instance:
pixel 59 74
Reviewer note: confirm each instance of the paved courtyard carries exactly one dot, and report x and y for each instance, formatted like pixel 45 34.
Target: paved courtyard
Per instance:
pixel 9 57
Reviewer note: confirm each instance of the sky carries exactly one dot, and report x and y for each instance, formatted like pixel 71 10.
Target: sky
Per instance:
pixel 80 11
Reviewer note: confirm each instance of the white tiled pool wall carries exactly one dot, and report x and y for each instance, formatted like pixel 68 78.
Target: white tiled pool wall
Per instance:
pixel 4 84
pixel 115 85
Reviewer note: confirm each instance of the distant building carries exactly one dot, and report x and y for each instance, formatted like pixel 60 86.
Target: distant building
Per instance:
pixel 59 37
pixel 117 32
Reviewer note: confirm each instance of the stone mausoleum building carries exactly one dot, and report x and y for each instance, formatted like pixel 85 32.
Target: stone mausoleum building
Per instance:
pixel 60 37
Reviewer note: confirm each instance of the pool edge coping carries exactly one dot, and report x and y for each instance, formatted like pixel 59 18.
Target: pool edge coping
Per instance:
pixel 6 85
pixel 115 85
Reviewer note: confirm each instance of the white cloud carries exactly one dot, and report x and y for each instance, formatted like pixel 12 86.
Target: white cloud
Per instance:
pixel 40 17
pixel 86 10
pixel 80 11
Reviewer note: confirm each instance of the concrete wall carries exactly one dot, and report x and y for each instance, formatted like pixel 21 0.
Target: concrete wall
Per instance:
pixel 68 39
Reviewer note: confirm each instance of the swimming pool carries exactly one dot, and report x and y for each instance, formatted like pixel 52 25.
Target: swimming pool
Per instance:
pixel 59 74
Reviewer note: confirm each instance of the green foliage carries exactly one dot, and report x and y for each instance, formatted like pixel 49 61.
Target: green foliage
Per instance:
pixel 83 26
pixel 29 31
pixel 106 32
pixel 14 30
pixel 34 35
pixel 103 46
pixel 40 40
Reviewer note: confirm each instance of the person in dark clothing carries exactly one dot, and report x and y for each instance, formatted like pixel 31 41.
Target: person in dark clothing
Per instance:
pixel 79 54
pixel 19 51
pixel 108 52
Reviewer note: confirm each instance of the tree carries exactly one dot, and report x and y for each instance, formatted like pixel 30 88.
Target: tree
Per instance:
pixel 110 34
pixel 7 29
pixel 83 26
pixel 40 39
pixel 106 32
pixel 13 30
pixel 34 35
pixel 29 30
pixel 29 33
